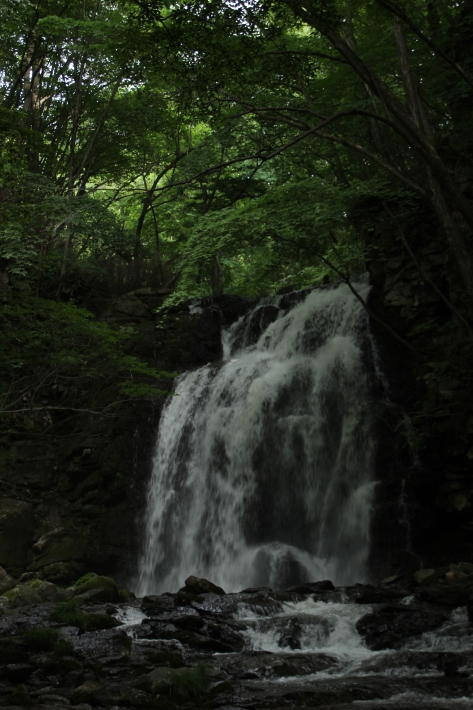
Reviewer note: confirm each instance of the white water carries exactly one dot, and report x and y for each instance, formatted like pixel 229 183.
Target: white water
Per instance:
pixel 263 471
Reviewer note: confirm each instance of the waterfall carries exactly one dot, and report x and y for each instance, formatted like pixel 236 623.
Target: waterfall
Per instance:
pixel 264 463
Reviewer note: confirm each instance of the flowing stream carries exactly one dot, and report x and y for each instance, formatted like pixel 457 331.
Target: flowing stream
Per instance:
pixel 264 463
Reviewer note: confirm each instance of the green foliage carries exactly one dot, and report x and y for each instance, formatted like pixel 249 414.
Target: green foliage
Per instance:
pixel 42 639
pixel 190 684
pixel 70 614
pixel 44 345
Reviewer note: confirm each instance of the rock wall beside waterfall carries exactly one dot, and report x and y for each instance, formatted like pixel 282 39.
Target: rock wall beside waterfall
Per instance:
pixel 72 486
pixel 433 387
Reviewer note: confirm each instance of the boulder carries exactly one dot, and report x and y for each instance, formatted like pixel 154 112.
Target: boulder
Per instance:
pixel 158 681
pixel 87 692
pixel 422 575
pixel 390 626
pixel 34 592
pixel 6 582
pixel 199 585
pixel 96 588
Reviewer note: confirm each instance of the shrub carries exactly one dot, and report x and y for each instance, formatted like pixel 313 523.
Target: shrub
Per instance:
pixel 70 614
pixel 190 684
pixel 41 639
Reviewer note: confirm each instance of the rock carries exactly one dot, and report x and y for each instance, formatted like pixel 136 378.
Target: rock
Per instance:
pixel 96 588
pixel 6 582
pixel 138 698
pixel 390 626
pixel 34 592
pixel 21 696
pixel 22 595
pixel 313 587
pixel 198 585
pixel 448 594
pixel 216 604
pixel 87 692
pixel 158 681
pixel 378 595
pixel 391 579
pixel 16 528
pixel 62 572
pixel 59 546
pixel 423 574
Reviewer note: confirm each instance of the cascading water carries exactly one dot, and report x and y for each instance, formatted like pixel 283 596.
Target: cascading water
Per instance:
pixel 264 464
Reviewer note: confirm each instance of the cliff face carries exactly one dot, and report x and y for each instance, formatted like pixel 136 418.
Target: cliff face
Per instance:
pixel 433 385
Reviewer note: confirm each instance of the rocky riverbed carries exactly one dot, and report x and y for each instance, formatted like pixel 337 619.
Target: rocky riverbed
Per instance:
pixel 405 644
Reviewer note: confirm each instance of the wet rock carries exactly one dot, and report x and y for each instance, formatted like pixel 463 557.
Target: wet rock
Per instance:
pixel 313 587
pixel 155 605
pixel 390 626
pixel 112 644
pixel 151 629
pixel 377 595
pixel 216 604
pixel 226 635
pixel 199 585
pixel 291 638
pixel 453 595
pixel 261 604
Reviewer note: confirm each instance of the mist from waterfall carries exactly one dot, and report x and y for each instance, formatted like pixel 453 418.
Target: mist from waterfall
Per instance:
pixel 264 464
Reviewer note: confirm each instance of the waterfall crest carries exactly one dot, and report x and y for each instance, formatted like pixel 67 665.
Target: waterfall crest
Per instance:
pixel 264 464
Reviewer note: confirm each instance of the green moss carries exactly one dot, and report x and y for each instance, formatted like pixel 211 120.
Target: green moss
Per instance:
pixel 91 580
pixel 125 595
pixel 104 588
pixel 34 584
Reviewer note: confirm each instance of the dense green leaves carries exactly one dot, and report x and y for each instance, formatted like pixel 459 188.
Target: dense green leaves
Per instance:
pixel 225 145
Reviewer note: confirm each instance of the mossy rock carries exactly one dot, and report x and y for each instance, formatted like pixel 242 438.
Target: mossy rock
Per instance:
pixel 125 595
pixel 96 588
pixel 33 592
pixel 22 595
pixel 21 696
